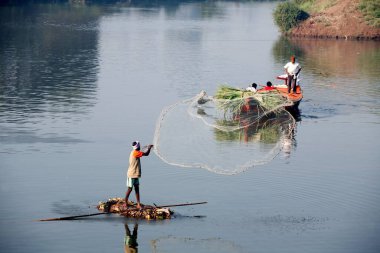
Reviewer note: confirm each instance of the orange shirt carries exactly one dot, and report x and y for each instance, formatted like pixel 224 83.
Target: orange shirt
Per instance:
pixel 268 88
pixel 137 153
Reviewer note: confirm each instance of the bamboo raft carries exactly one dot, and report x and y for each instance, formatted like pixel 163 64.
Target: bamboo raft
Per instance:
pixel 117 205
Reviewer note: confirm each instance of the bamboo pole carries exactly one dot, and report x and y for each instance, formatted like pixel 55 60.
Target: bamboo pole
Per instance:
pixel 73 217
pixel 185 204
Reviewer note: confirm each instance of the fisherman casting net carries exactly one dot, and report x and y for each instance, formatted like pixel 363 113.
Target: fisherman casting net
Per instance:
pixel 228 133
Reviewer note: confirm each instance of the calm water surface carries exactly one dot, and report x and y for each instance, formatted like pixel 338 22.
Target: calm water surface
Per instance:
pixel 79 83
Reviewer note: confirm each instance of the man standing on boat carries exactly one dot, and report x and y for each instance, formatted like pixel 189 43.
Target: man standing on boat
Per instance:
pixel 134 171
pixel 292 68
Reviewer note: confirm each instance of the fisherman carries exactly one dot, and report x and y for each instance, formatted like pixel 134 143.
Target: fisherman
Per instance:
pixel 292 69
pixel 134 171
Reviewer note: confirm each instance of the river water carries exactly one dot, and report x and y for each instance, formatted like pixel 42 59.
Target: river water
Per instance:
pixel 79 83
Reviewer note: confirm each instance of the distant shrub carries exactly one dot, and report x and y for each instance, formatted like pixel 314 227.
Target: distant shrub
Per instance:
pixel 287 15
pixel 371 11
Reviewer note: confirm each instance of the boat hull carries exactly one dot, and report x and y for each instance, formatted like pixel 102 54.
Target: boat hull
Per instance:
pixel 294 97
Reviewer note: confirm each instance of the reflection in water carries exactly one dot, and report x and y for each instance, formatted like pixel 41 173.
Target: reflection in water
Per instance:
pixel 178 244
pixel 283 49
pixel 48 75
pixel 331 58
pixel 353 62
pixel 56 63
pixel 257 128
pixel 67 208
pixel 270 129
pixel 130 240
pixel 49 59
pixel 335 72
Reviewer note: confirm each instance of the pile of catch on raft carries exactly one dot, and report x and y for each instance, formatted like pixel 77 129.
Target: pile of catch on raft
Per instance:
pixel 117 205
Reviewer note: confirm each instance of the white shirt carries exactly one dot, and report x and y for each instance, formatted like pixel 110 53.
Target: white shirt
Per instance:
pixel 250 89
pixel 292 68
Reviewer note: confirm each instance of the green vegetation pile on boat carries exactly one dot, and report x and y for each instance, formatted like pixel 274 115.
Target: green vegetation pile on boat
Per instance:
pixel 270 99
pixel 117 205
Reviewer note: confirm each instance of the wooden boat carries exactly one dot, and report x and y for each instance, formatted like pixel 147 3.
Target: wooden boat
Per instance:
pixel 294 98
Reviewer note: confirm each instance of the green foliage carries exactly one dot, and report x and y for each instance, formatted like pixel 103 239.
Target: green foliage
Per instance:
pixel 308 6
pixel 226 92
pixel 229 99
pixel 371 11
pixel 287 15
pixel 272 100
pixel 303 1
pixel 312 6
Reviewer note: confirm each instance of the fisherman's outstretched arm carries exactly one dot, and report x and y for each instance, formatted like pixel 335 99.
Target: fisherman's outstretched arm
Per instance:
pixel 148 151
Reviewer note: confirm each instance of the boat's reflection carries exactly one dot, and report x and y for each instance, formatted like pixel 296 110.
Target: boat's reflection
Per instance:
pixel 271 128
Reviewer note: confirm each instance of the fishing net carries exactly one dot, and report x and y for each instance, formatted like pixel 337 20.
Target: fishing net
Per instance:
pixel 227 133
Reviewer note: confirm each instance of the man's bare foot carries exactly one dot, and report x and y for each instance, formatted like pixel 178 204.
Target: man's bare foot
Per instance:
pixel 139 206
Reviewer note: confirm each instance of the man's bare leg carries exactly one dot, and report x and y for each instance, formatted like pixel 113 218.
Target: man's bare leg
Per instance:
pixel 137 191
pixel 127 196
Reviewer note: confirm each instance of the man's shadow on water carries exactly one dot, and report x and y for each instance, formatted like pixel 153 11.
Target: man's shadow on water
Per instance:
pixel 130 240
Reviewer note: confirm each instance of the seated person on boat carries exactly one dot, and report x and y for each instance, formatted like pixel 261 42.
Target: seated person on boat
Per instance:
pixel 252 88
pixel 269 86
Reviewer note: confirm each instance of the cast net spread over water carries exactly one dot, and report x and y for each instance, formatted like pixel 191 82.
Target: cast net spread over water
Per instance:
pixel 228 133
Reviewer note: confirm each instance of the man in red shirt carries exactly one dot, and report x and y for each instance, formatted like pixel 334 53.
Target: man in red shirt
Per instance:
pixel 134 171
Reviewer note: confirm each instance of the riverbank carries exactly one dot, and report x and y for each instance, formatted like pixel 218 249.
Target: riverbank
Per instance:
pixel 340 19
